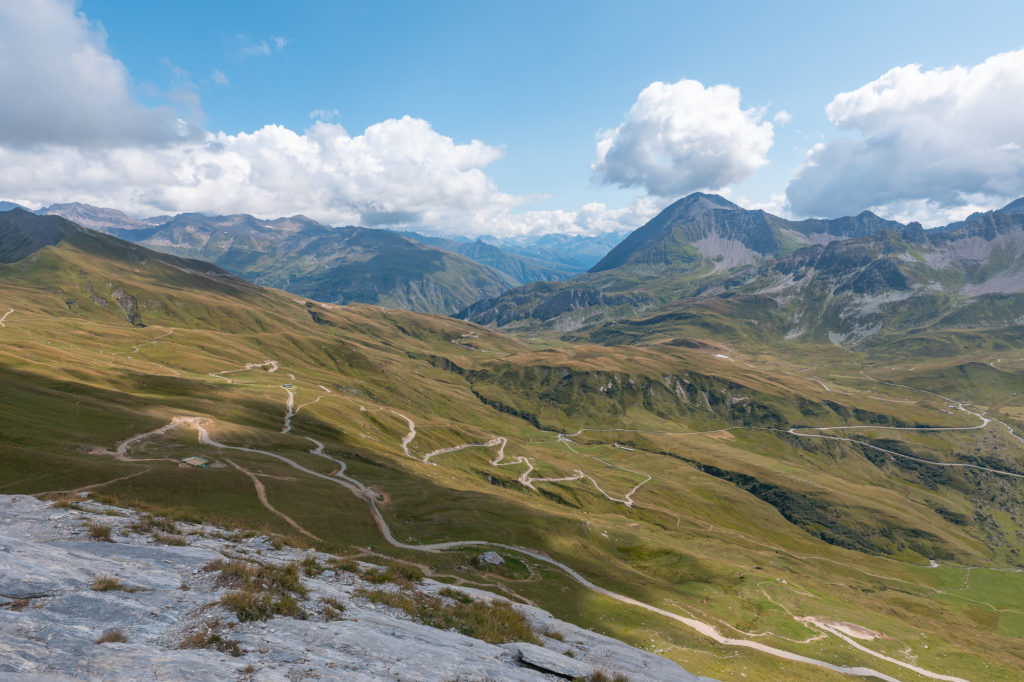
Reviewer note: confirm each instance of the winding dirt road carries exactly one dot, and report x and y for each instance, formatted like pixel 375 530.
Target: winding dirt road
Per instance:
pixel 261 494
pixel 271 366
pixel 370 497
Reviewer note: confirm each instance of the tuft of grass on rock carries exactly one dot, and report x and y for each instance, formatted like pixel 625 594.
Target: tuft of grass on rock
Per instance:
pixel 311 567
pixel 251 575
pixel 259 591
pixel 100 531
pixel 458 596
pixel 349 565
pixel 173 540
pixel 112 635
pixel 154 524
pixel 495 622
pixel 599 676
pixel 209 638
pixel 108 583
pixel 254 604
pixel 332 608
pixel 403 575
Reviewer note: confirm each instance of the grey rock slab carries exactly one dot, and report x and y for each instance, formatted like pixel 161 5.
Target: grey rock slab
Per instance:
pixel 550 661
pixel 46 554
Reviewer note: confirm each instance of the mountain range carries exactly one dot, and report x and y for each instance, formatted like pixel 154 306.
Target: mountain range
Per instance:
pixel 346 264
pixel 844 280
pixel 690 481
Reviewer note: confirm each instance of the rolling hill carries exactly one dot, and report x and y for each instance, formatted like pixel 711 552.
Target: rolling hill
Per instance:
pixel 338 265
pixel 735 505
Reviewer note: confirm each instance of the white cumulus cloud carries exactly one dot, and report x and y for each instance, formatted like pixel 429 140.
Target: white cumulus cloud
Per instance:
pixel 76 133
pixel 931 144
pixel 680 137
pixel 397 165
pixel 61 85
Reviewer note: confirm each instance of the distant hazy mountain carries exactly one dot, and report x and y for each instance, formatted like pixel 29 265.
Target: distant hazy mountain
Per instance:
pixel 338 265
pixel 96 218
pixel 10 205
pixel 576 253
pixel 521 268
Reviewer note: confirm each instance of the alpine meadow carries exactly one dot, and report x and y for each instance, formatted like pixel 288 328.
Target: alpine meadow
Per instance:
pixel 412 401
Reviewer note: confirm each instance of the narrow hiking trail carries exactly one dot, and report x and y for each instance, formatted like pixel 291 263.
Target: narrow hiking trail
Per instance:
pixel 136 347
pixel 524 478
pixel 959 405
pixel 261 494
pixel 626 499
pixel 289 406
pixel 370 497
pixel 271 366
pixel 313 402
pixel 4 317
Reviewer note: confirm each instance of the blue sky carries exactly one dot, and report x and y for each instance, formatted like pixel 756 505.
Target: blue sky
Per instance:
pixel 535 83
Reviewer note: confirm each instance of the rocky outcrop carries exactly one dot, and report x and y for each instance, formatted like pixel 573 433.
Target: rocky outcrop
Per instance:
pixel 129 305
pixel 52 615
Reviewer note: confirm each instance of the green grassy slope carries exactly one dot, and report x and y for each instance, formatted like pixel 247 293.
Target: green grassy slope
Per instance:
pixel 734 520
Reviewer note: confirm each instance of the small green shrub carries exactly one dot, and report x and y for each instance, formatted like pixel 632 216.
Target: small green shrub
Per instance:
pixel 598 676
pixel 247 574
pixel 335 603
pixel 249 605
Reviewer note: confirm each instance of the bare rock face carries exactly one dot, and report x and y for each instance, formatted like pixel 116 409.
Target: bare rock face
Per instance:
pixel 129 305
pixel 52 614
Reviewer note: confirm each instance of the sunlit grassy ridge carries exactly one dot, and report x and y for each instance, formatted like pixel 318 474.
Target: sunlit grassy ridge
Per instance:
pixel 746 527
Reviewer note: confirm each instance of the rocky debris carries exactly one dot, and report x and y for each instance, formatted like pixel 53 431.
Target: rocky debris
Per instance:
pixel 51 618
pixel 129 305
pixel 492 558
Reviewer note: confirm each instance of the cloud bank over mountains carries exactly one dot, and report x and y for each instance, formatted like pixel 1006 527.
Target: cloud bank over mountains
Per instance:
pixel 931 145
